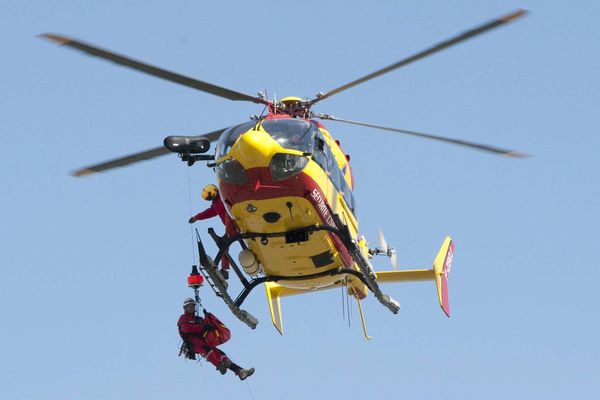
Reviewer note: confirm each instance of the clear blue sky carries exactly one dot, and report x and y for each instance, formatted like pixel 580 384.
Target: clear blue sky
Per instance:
pixel 92 271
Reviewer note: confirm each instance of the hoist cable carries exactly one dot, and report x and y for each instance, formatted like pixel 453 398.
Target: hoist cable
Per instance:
pixel 194 258
pixel 348 307
pixel 249 390
pixel 343 304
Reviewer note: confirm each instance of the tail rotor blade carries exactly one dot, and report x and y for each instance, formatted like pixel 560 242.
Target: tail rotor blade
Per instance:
pixel 382 243
pixel 385 248
pixel 394 259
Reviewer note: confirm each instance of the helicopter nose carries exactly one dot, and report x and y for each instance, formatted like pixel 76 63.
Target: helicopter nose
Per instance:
pixel 254 149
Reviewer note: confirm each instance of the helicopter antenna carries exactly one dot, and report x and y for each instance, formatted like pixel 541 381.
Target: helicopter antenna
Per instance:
pixel 266 97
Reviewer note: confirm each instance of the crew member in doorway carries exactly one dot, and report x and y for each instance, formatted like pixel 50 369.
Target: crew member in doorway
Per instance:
pixel 211 193
pixel 193 330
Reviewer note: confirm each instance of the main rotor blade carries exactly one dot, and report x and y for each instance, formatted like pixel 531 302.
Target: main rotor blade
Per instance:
pixel 427 52
pixel 150 69
pixel 122 161
pixel 477 146
pixel 136 157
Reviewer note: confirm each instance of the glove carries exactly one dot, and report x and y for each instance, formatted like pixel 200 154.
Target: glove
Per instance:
pixel 192 220
pixel 209 327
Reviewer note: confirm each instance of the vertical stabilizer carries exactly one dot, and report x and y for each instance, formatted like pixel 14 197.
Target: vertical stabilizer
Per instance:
pixel 441 269
pixel 274 305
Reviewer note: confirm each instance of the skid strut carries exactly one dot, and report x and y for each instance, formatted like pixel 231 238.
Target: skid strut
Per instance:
pixel 367 272
pixel 365 267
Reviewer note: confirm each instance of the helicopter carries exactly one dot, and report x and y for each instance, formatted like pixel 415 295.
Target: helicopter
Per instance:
pixel 288 185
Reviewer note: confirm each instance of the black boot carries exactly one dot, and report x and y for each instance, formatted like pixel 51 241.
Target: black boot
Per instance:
pixel 225 273
pixel 223 366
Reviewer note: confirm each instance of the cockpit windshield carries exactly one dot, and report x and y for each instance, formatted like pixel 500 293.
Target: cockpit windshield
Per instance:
pixel 295 134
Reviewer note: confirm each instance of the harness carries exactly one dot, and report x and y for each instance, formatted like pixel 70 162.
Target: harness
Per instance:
pixel 187 347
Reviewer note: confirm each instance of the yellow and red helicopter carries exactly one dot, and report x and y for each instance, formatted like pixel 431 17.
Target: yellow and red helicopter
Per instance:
pixel 287 184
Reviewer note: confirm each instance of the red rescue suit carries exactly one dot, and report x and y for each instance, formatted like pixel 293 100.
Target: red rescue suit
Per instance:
pixel 218 208
pixel 191 329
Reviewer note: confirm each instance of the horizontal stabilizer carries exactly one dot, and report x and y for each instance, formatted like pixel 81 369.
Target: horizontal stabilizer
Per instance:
pixel 439 273
pixel 409 275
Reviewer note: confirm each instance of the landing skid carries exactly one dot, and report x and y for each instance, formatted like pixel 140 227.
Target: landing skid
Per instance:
pixel 219 285
pixel 208 268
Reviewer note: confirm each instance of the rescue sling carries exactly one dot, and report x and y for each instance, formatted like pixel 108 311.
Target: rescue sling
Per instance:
pixel 219 335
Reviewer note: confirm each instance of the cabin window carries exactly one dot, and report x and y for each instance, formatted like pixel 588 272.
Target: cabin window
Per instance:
pixel 323 156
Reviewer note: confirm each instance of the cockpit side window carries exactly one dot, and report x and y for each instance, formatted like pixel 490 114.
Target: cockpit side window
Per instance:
pixel 229 137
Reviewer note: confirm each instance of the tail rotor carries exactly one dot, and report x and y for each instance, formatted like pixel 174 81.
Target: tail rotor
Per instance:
pixel 386 250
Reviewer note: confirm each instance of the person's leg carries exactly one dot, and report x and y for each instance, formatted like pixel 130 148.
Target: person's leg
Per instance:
pixel 234 368
pixel 224 262
pixel 230 231
pixel 213 355
pixel 220 360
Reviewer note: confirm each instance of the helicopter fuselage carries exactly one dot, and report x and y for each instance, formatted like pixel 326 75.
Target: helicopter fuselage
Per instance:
pixel 281 174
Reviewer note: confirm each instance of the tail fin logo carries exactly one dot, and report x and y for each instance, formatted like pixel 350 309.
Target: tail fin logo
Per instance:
pixel 448 262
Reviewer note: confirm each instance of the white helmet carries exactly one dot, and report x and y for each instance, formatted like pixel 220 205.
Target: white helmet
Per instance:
pixel 189 301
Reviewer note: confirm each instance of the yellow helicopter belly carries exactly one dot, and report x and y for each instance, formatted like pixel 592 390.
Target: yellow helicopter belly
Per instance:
pixel 278 258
